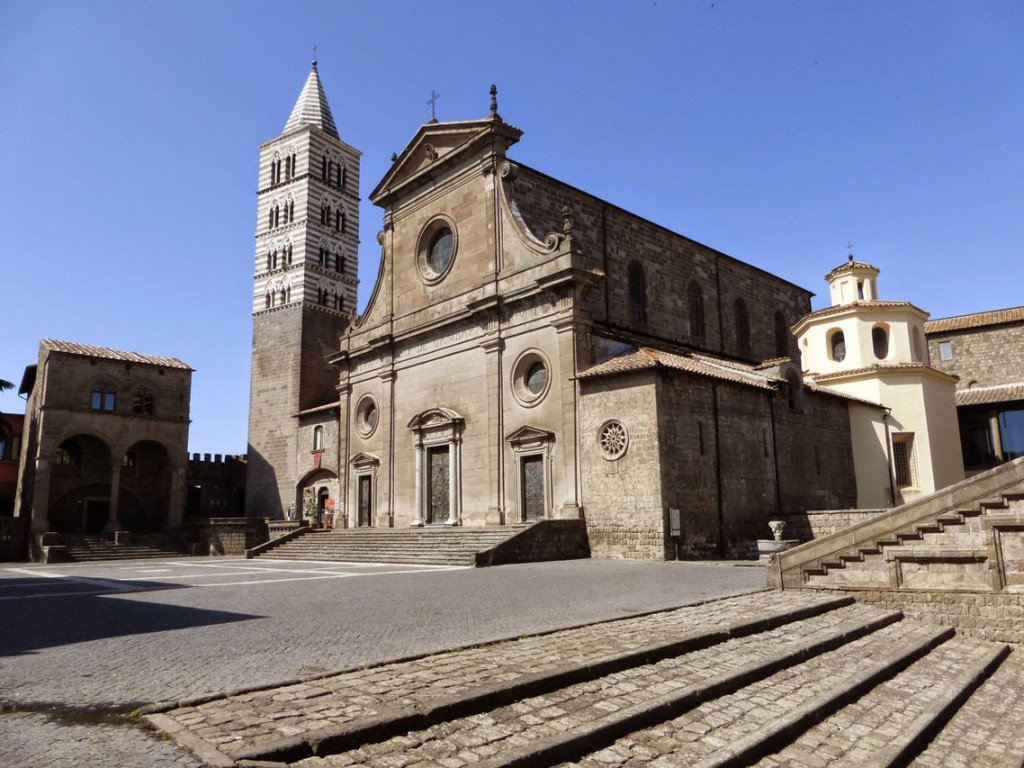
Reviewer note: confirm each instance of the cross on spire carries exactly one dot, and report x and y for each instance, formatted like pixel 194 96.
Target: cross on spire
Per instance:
pixel 314 54
pixel 432 101
pixel 849 250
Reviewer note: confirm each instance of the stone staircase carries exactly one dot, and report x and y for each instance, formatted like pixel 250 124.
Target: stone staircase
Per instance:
pixel 966 536
pixel 425 546
pixel 97 548
pixel 769 679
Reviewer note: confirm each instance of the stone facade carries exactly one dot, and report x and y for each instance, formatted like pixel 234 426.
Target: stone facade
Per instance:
pixel 11 428
pixel 512 319
pixel 986 352
pixel 105 445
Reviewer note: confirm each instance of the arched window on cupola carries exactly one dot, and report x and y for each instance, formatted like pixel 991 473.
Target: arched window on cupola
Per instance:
pixel 880 341
pixel 339 221
pixel 269 267
pixel 325 213
pixel 637 281
pixel 837 346
pixel 269 301
pixel 288 294
pixel 322 255
pixel 323 169
pixel 341 175
pixel 289 251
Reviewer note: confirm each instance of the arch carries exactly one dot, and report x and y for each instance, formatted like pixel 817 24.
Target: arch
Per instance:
pixel 318 437
pixel 145 487
pixel 695 305
pixel 79 485
pixel 837 346
pixel 637 283
pixel 880 341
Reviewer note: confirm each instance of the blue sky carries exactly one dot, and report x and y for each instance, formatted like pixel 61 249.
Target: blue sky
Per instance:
pixel 777 132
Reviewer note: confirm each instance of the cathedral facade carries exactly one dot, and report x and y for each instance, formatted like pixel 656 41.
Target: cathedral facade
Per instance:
pixel 529 352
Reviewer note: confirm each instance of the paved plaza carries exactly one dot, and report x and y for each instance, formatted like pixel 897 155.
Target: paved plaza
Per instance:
pixel 82 646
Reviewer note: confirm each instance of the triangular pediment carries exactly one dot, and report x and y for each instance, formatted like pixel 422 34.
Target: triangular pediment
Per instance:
pixel 528 434
pixel 437 145
pixel 364 460
pixel 433 417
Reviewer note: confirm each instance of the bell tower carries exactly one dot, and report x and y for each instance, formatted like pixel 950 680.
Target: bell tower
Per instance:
pixel 304 288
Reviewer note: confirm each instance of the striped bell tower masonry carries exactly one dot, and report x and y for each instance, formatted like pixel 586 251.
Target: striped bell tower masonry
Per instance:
pixel 304 288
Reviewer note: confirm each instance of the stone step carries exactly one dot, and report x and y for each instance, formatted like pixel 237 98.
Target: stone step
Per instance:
pixel 289 723
pixel 894 720
pixel 988 729
pixel 90 548
pixel 573 720
pixel 432 546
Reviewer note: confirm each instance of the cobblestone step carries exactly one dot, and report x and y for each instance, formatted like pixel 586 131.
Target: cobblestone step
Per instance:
pixel 542 730
pixel 781 678
pixel 886 726
pixel 988 729
pixel 274 721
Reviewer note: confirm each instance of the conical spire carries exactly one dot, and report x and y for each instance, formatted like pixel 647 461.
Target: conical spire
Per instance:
pixel 312 107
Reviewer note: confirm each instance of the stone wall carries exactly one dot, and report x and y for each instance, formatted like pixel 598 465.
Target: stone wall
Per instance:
pixel 231 535
pixel 988 355
pixel 815 523
pixel 547 540
pixel 622 497
pixel 611 238
pixel 991 616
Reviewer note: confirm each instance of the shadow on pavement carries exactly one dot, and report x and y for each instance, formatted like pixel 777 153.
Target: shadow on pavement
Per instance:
pixel 41 617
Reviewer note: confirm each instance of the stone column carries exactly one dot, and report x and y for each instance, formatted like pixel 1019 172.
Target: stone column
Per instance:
pixel 115 490
pixel 997 437
pixel 418 520
pixel 453 483
pixel 40 502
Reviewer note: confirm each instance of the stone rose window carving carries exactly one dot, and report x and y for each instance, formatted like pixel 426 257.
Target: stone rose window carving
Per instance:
pixel 613 439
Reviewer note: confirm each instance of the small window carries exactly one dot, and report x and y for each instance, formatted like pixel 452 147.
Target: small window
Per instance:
pixel 781 335
pixel 742 318
pixel 880 342
pixel 318 438
pixel 837 346
pixel 323 169
pixel 903 460
pixel 101 400
pixel 860 290
pixel 637 292
pixel 945 351
pixel 695 298
pixel 142 403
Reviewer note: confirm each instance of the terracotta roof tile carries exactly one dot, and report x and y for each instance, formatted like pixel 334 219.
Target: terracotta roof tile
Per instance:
pixel 849 266
pixel 873 304
pixel 1000 393
pixel 72 348
pixel 976 320
pixel 702 365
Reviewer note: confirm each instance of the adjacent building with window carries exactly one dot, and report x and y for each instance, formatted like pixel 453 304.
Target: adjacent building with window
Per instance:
pixel 985 350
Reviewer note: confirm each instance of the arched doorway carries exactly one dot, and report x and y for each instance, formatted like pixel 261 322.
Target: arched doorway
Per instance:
pixel 80 481
pixel 318 496
pixel 145 487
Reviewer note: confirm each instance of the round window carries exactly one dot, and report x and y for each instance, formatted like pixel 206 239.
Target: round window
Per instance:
pixel 613 440
pixel 536 378
pixel 530 378
pixel 367 416
pixel 441 249
pixel 436 251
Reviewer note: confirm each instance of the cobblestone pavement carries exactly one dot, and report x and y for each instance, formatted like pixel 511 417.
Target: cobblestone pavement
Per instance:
pixel 237 724
pixel 81 645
